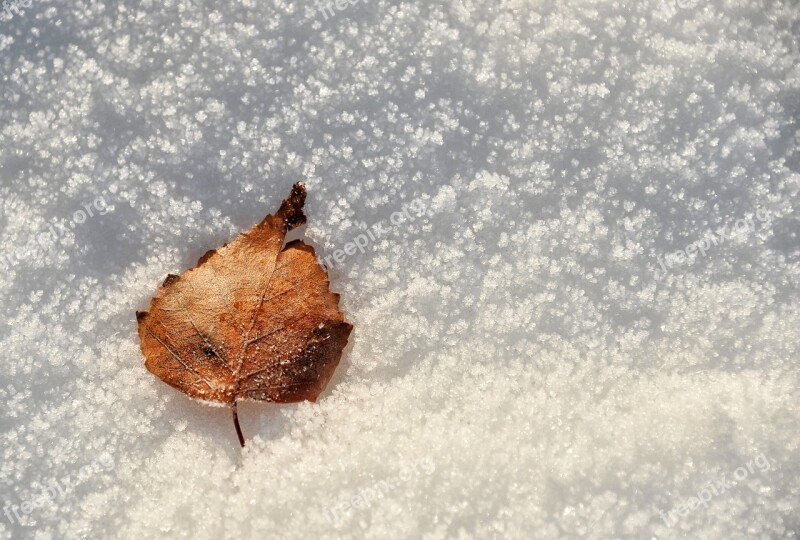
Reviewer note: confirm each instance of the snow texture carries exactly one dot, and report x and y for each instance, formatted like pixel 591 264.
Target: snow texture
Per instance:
pixel 541 353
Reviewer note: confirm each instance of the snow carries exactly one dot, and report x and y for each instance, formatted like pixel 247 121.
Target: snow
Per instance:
pixel 521 366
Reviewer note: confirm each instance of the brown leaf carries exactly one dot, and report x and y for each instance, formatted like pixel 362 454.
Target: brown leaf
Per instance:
pixel 253 320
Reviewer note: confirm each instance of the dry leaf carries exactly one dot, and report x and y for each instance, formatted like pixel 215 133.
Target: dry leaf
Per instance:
pixel 253 320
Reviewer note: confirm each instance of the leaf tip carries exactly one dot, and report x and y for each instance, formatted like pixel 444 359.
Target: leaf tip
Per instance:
pixel 291 209
pixel 170 279
pixel 207 255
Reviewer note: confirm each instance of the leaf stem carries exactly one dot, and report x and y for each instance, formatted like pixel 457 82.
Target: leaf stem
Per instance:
pixel 236 423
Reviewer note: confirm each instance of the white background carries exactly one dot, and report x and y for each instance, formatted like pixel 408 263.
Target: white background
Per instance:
pixel 521 336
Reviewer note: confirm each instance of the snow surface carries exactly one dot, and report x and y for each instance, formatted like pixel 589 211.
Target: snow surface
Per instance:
pixel 521 365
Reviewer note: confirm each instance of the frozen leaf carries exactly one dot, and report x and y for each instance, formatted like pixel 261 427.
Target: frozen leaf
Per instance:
pixel 253 320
